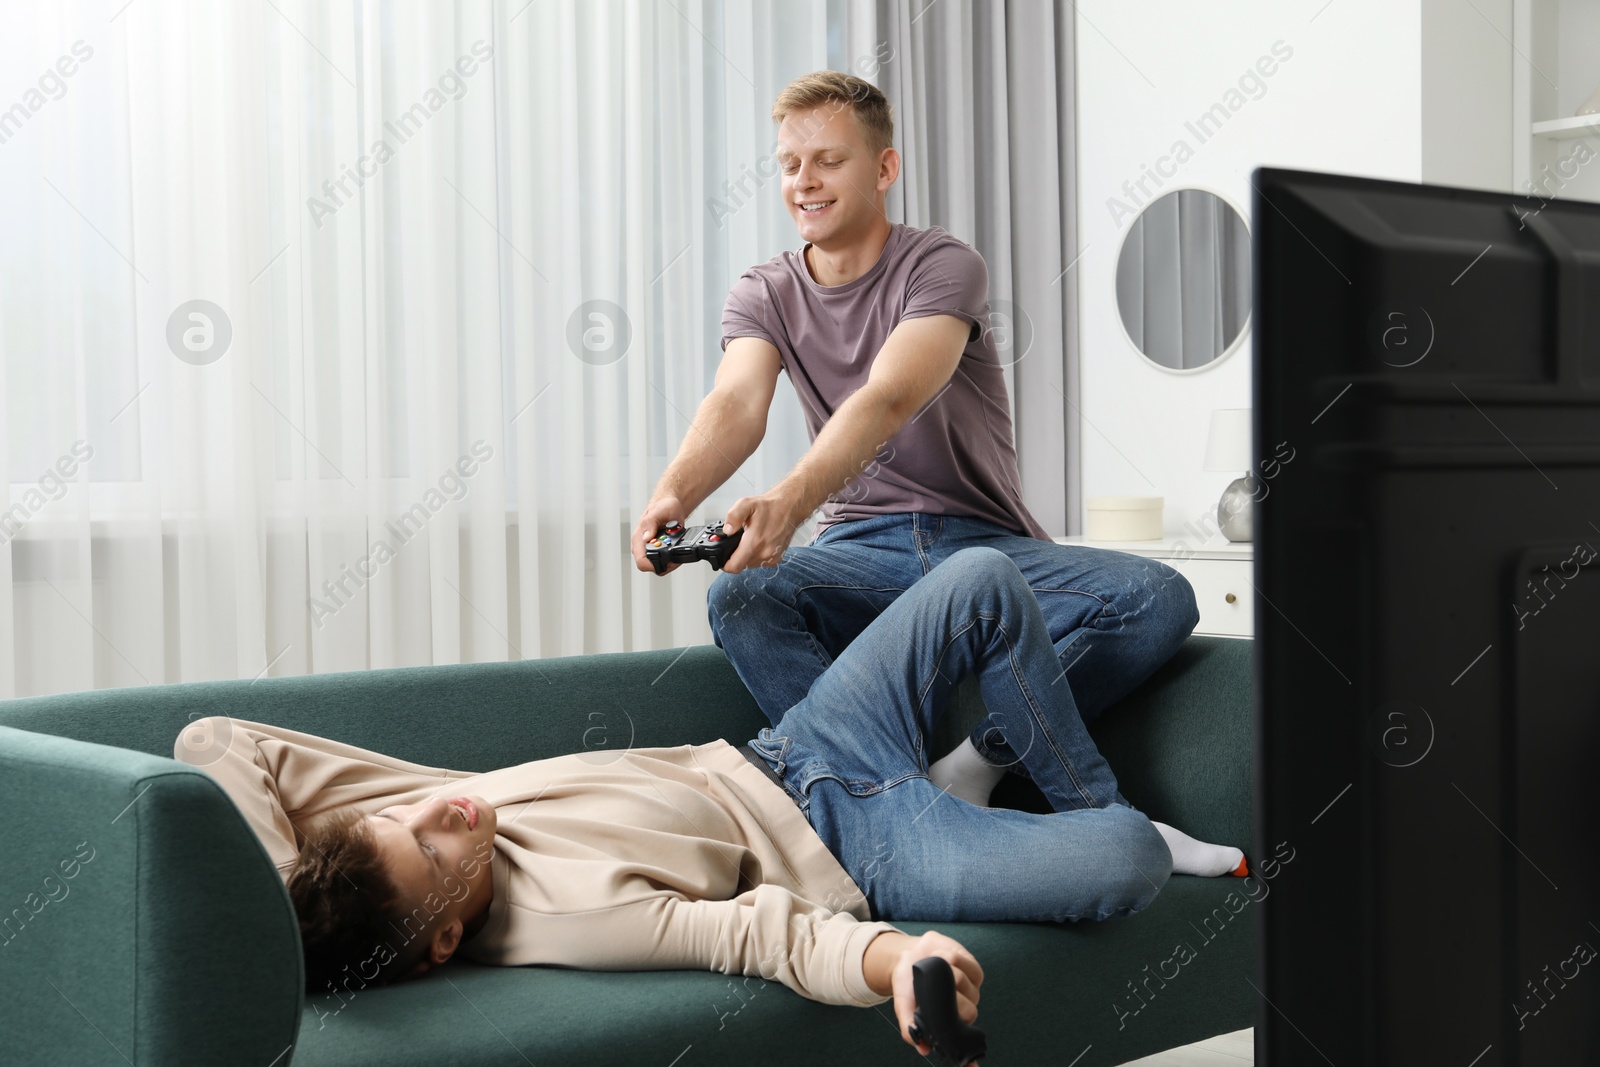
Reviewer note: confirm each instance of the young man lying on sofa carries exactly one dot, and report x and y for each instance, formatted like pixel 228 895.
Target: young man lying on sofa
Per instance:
pixel 786 858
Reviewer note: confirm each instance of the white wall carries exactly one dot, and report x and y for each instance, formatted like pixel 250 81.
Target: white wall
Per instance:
pixel 1348 100
pixel 1577 71
pixel 1467 128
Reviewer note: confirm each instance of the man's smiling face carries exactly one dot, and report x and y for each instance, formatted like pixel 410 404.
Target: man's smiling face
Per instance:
pixel 833 183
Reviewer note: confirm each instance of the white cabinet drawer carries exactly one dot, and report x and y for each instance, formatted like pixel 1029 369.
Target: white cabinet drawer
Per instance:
pixel 1222 592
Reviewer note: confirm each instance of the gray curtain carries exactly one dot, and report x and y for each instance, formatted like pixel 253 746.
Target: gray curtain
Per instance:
pixel 1183 278
pixel 982 92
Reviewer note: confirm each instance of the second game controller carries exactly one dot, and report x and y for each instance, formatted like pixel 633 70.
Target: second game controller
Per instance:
pixel 674 543
pixel 936 1022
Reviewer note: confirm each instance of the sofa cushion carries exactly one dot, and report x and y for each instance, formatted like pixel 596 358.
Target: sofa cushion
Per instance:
pixel 1050 993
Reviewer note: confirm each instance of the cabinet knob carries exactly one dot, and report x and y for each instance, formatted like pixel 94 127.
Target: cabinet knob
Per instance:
pixel 1230 598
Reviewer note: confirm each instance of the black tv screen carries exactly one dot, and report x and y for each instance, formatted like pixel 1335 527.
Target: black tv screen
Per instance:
pixel 1427 671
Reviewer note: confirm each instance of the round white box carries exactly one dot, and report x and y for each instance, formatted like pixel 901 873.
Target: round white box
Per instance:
pixel 1123 518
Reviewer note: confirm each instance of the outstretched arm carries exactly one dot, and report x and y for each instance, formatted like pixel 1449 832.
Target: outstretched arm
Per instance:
pixel 768 932
pixel 727 427
pixel 910 370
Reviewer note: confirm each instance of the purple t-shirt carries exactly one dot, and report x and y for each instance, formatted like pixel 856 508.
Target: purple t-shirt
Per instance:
pixel 955 456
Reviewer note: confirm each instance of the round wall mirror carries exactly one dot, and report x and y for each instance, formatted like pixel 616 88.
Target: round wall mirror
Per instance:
pixel 1183 279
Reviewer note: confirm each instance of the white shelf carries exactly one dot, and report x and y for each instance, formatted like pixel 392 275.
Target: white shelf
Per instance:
pixel 1567 129
pixel 1554 69
pixel 1168 547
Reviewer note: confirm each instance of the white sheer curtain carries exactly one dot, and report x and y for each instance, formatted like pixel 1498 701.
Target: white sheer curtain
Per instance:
pixel 425 230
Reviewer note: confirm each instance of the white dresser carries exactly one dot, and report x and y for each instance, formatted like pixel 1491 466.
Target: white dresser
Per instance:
pixel 1220 572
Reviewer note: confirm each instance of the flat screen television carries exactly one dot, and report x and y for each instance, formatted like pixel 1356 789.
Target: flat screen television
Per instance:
pixel 1427 606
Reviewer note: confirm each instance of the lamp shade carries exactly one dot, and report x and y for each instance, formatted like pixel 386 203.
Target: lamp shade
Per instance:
pixel 1228 446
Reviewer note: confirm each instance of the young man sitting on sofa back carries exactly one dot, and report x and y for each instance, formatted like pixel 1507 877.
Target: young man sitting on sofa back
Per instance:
pixel 883 330
pixel 785 858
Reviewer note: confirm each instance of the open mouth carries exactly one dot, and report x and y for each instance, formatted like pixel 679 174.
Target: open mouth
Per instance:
pixel 468 810
pixel 816 207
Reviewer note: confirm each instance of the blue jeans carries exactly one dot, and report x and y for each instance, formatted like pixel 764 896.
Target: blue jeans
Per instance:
pixel 1112 617
pixel 852 753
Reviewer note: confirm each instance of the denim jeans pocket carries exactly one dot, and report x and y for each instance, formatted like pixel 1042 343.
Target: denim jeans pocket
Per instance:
pixel 873 528
pixel 799 768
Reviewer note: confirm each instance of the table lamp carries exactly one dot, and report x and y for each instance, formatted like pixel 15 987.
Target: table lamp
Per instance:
pixel 1228 449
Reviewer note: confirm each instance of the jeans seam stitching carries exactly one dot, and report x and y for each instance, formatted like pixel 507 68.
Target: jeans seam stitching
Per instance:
pixel 1036 589
pixel 1039 720
pixel 922 689
pixel 848 588
pixel 818 651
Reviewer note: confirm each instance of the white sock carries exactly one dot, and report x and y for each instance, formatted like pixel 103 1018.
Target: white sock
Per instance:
pixel 965 774
pixel 1196 857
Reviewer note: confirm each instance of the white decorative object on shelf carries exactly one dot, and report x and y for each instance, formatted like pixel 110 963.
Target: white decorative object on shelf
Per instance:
pixel 1590 106
pixel 1123 518
pixel 1228 449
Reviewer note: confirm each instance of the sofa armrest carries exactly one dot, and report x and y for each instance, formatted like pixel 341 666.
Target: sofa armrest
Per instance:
pixel 140 919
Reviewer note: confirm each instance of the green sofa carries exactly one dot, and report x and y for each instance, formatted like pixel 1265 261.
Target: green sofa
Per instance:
pixel 143 923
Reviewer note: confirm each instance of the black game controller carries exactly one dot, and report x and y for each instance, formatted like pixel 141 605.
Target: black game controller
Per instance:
pixel 936 1022
pixel 674 544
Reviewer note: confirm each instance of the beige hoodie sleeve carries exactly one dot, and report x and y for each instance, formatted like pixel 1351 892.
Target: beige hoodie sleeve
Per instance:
pixel 770 932
pixel 281 780
pixel 766 931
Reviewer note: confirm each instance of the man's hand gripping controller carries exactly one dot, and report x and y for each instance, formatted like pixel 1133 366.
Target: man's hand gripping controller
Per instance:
pixel 936 1022
pixel 674 544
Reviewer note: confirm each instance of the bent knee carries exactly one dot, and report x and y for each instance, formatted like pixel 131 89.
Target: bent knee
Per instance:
pixel 1176 598
pixel 984 566
pixel 740 599
pixel 1147 864
pixel 727 598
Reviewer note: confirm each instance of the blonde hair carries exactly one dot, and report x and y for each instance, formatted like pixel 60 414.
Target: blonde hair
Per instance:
pixel 874 116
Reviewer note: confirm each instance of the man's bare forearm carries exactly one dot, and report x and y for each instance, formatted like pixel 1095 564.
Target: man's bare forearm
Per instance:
pixel 845 447
pixel 722 436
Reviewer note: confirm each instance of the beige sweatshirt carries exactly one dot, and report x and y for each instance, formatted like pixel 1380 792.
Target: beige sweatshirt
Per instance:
pixel 646 859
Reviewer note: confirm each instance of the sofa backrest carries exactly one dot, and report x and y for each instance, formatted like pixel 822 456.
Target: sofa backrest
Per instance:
pixel 469 717
pixel 1181 744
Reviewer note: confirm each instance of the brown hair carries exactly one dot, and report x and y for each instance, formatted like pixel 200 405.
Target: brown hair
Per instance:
pixel 874 116
pixel 350 910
